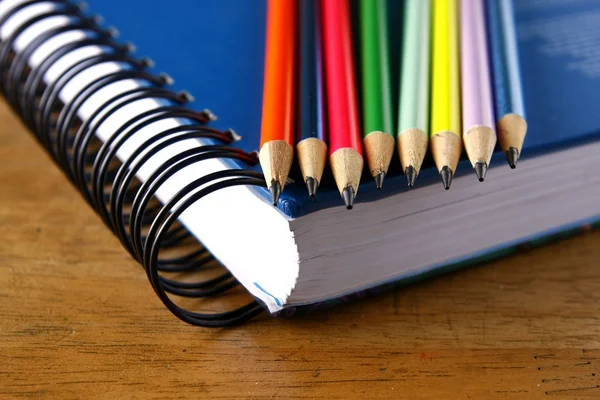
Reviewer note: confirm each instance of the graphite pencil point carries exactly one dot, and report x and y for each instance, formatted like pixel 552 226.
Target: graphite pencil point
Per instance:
pixel 379 180
pixel 346 168
pixel 512 156
pixel 480 170
pixel 275 190
pixel 348 196
pixel 446 174
pixel 411 175
pixel 312 157
pixel 312 185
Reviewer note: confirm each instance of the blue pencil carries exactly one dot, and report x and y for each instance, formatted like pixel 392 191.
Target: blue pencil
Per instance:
pixel 311 143
pixel 511 125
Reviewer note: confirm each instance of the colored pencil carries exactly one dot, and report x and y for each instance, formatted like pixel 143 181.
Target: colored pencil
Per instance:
pixel 413 120
pixel 311 146
pixel 377 131
pixel 446 142
pixel 479 136
pixel 345 151
pixel 277 130
pixel 510 111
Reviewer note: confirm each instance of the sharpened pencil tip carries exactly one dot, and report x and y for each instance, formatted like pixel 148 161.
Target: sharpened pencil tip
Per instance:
pixel 480 170
pixel 411 175
pixel 275 190
pixel 379 180
pixel 512 156
pixel 446 174
pixel 312 185
pixel 348 196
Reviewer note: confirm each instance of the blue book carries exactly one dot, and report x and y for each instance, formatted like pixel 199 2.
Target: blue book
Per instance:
pixel 303 252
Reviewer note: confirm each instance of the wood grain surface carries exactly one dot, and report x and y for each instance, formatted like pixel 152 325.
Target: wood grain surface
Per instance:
pixel 78 319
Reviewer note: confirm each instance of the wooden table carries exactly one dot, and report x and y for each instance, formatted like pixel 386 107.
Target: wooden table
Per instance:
pixel 79 319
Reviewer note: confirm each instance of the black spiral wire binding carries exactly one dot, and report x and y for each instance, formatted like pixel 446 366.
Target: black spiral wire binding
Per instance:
pixel 34 84
pixel 62 9
pixel 126 206
pixel 87 131
pixel 50 102
pixel 17 70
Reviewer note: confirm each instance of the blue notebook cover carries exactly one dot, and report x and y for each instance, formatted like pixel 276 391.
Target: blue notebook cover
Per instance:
pixel 215 50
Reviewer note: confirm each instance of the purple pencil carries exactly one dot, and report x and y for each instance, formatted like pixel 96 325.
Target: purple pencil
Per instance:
pixel 479 136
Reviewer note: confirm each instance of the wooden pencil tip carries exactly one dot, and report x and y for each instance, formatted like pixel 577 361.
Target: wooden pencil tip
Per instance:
pixel 311 185
pixel 411 175
pixel 511 130
pixel 312 157
pixel 446 147
pixel 276 160
pixel 480 170
pixel 348 196
pixel 412 146
pixel 346 167
pixel 512 156
pixel 446 174
pixel 275 191
pixel 479 142
pixel 379 149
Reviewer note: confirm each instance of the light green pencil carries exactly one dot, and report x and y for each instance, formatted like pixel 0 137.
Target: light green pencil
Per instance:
pixel 413 123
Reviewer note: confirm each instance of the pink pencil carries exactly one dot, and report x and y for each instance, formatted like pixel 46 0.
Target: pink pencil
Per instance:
pixel 479 136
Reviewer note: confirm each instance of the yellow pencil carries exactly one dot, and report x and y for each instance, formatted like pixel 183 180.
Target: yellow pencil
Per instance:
pixel 446 142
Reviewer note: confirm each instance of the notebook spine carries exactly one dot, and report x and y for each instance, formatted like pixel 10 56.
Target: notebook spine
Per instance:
pixel 129 207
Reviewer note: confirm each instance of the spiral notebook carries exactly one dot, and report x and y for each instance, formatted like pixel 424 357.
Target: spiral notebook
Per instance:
pixel 163 162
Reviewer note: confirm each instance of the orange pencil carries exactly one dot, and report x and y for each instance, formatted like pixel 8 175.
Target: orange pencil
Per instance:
pixel 277 131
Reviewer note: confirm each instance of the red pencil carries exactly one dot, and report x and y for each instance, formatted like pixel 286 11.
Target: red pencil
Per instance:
pixel 345 148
